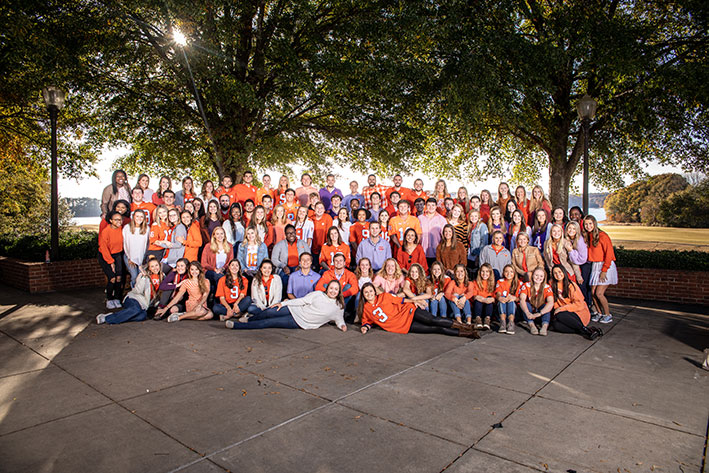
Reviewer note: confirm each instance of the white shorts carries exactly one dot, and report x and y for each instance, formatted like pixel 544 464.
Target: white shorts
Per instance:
pixel 611 274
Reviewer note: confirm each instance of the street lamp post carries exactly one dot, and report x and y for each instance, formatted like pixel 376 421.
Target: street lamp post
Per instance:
pixel 54 100
pixel 586 108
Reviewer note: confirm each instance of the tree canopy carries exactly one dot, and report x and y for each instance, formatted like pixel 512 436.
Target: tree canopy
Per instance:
pixel 452 88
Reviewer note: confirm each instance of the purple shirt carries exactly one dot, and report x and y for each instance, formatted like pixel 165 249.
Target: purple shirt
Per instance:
pixel 326 195
pixel 431 229
pixel 350 197
pixel 299 284
pixel 376 252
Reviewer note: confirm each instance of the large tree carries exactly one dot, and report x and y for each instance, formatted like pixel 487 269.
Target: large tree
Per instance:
pixel 259 84
pixel 513 71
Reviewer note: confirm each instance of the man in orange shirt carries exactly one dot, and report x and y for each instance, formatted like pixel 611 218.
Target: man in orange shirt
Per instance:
pixel 265 190
pixel 417 192
pixel 348 282
pixel 403 191
pixel 246 190
pixel 399 224
pixel 321 223
pixel 225 188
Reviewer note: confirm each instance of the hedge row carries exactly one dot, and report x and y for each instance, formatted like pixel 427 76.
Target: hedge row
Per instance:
pixel 662 259
pixel 72 245
pixel 84 245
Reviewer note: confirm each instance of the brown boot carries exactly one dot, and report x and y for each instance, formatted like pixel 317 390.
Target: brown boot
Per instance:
pixel 468 331
pixel 460 325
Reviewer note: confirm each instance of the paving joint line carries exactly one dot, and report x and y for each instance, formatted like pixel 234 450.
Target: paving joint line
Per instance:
pixel 532 396
pixel 312 411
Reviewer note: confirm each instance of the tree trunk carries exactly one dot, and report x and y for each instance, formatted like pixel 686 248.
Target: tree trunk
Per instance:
pixel 560 174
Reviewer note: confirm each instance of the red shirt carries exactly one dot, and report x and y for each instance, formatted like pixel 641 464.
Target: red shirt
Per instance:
pixel 390 313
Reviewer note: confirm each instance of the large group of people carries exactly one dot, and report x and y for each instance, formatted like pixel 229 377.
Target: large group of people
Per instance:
pixel 406 260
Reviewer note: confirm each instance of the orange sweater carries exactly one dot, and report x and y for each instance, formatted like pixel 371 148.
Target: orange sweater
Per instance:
pixel 601 252
pixel 452 289
pixel 193 242
pixel 110 242
pixel 574 303
pixel 347 279
pixel 483 291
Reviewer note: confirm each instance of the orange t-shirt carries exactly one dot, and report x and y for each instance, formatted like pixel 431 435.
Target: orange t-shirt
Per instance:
pixel 231 294
pixel 454 289
pixel 320 231
pixel 148 207
pixel 260 192
pixel 244 192
pixel 526 289
pixel 291 211
pixel 390 313
pixel 328 252
pixel 154 284
pixel 483 291
pixel 292 254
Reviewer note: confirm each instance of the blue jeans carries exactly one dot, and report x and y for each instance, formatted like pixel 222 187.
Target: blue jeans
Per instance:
pixel 214 278
pixel 483 310
pixel 466 310
pixel 438 308
pixel 507 308
pixel 132 270
pixel 131 311
pixel 269 318
pixel 545 317
pixel 219 309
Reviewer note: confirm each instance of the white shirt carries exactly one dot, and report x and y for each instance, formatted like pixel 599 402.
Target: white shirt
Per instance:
pixel 314 310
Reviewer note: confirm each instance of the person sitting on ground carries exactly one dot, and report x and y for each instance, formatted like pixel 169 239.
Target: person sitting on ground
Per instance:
pixel 308 312
pixel 571 314
pixel 197 289
pixel 400 315
pixel 145 294
pixel 537 301
pixel 231 293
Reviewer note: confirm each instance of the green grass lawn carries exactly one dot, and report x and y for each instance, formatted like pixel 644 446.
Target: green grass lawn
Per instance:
pixel 684 236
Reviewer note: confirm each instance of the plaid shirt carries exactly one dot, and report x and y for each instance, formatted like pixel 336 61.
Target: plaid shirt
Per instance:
pixel 369 190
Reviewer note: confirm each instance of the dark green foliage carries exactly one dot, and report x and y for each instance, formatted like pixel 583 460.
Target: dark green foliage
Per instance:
pixel 662 259
pixel 688 208
pixel 72 245
pixel 640 201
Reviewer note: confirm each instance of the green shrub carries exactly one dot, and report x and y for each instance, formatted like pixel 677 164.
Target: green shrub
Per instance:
pixel 662 259
pixel 72 245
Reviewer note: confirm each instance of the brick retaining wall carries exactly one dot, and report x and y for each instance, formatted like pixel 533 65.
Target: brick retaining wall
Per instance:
pixel 686 287
pixel 50 277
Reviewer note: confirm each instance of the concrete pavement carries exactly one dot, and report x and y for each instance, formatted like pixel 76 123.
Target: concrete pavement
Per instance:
pixel 195 397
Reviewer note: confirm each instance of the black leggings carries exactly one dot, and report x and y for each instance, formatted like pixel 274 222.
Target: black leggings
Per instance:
pixel 586 287
pixel 114 290
pixel 426 322
pixel 567 322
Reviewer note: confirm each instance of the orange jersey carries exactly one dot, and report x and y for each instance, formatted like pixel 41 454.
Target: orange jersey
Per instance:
pixel 110 242
pixel 260 192
pixel 291 210
pixel 320 231
pixel 398 225
pixel 358 232
pixel 328 252
pixel 148 208
pixel 414 194
pixel 348 282
pixel 526 289
pixel 390 313
pixel 231 294
pixel 483 291
pixel 230 192
pixel 502 288
pixel 158 231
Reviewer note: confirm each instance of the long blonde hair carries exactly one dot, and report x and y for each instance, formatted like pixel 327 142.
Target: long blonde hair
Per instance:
pixel 537 204
pixel 537 297
pixel 548 245
pixel 214 244
pixel 202 282
pixel 274 217
pixel 398 274
pixel 420 283
pixel 490 279
pixel 574 241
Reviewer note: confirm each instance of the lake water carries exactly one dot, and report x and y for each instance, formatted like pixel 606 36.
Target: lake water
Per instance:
pixel 599 213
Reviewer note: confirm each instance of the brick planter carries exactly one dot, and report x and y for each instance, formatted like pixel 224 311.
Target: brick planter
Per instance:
pixel 50 277
pixel 685 287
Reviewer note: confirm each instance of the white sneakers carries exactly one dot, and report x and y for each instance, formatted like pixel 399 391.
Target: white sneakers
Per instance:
pixel 174 317
pixel 113 304
pixel 101 318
